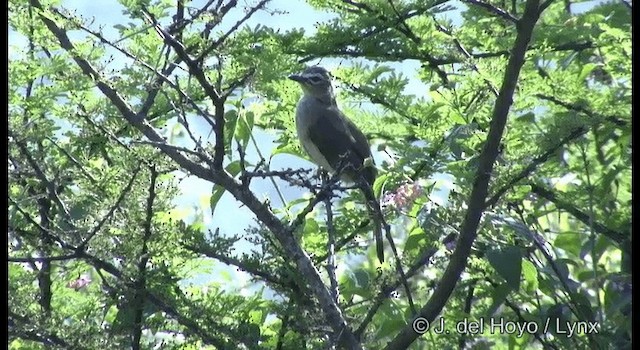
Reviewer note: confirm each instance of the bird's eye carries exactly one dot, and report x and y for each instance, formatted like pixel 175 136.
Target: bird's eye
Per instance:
pixel 314 79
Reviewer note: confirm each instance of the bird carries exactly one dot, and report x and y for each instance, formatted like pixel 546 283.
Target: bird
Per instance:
pixel 334 142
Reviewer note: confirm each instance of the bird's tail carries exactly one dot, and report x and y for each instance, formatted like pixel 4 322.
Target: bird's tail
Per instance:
pixel 377 233
pixel 375 215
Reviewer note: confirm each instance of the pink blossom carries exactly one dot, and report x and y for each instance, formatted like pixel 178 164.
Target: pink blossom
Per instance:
pixel 80 283
pixel 403 196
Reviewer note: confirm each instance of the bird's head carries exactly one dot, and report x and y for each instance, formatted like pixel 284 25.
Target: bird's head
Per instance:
pixel 315 81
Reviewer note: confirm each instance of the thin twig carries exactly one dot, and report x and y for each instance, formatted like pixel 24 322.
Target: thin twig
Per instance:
pixel 533 165
pixel 331 247
pixel 73 160
pixel 575 107
pixel 233 28
pixel 386 289
pixel 467 55
pixel 112 210
pixel 160 75
pixel 42 258
pixel 494 10
pixel 620 238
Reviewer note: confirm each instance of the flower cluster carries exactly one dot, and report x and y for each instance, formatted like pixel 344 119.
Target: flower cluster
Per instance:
pixel 403 196
pixel 80 283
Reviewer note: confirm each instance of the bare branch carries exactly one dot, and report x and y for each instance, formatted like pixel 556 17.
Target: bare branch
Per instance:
pixel 197 71
pixel 331 248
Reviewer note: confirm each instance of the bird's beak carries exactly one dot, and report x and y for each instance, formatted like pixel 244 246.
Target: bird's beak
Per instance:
pixel 297 77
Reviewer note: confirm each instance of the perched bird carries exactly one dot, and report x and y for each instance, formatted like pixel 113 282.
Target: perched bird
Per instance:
pixel 333 141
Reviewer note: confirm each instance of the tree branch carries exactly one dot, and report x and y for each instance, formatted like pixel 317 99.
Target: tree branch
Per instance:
pixel 233 28
pixel 494 10
pixel 140 285
pixel 42 258
pixel 524 173
pixel 401 26
pixel 331 247
pixel 112 210
pixel 622 239
pixel 476 203
pixel 21 327
pixel 332 313
pixel 386 289
pixel 341 51
pixel 248 267
pixel 577 108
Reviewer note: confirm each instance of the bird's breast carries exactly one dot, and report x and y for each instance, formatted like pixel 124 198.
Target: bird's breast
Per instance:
pixel 305 118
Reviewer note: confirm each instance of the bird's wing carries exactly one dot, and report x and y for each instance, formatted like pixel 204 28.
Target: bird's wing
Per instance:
pixel 335 136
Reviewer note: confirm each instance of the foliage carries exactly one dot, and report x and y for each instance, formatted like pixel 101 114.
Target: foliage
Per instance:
pixel 102 132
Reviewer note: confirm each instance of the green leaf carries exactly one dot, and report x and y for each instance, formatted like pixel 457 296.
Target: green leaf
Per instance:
pixel 585 310
pixel 243 129
pixel 508 263
pixel 498 296
pixel 125 319
pixel 586 70
pixel 379 183
pixel 288 149
pixel 80 210
pixel 232 168
pixel 529 117
pixel 356 282
pixel 361 277
pixel 569 242
pixel 216 194
pixel 415 239
pixel 377 72
pixel 530 274
pixel 231 118
pixel 393 319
